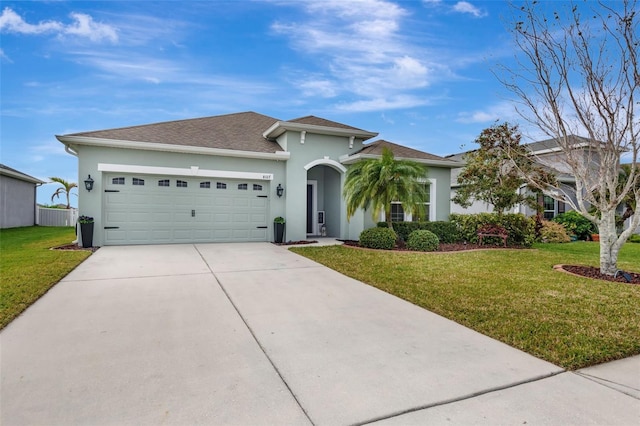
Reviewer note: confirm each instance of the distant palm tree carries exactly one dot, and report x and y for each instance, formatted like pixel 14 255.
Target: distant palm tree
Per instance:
pixel 65 189
pixel 379 182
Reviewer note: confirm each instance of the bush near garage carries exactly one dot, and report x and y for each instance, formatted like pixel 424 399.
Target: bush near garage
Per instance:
pixel 446 232
pixel 552 232
pixel 521 228
pixel 378 238
pixel 423 240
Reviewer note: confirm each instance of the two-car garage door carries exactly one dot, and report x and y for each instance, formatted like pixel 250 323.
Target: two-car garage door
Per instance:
pixel 151 209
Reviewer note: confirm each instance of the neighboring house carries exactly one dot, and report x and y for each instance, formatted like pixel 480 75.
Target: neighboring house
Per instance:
pixel 550 156
pixel 17 198
pixel 225 178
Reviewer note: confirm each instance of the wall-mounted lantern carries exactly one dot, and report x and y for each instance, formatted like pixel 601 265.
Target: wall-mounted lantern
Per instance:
pixel 88 183
pixel 279 190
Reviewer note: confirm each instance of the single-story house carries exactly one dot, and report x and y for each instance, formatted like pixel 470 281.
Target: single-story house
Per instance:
pixel 225 178
pixel 549 156
pixel 17 198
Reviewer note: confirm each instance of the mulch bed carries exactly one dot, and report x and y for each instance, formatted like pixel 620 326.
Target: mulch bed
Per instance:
pixel 74 247
pixel 583 271
pixel 593 272
pixel 443 247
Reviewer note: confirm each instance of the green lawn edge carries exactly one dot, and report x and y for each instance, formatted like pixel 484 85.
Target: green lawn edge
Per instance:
pixel 513 296
pixel 29 268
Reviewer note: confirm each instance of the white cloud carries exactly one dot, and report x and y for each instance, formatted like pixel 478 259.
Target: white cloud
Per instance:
pixel 13 23
pixel 503 111
pixel 387 103
pixel 466 7
pixel 323 88
pixel 362 50
pixel 4 56
pixel 83 26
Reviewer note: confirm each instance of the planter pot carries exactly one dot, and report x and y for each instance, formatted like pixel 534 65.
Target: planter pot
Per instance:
pixel 595 237
pixel 86 232
pixel 278 232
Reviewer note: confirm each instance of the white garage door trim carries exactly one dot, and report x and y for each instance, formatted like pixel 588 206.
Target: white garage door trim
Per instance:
pixel 174 171
pixel 164 209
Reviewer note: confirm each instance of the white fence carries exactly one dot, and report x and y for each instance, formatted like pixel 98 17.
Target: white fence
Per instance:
pixel 56 217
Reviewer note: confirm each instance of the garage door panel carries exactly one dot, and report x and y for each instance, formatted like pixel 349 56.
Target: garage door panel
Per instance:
pixel 147 214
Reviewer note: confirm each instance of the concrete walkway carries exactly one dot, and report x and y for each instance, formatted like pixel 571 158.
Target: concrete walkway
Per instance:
pixel 251 334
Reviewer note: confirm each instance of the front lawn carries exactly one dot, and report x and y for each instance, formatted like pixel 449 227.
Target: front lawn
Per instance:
pixel 28 268
pixel 512 295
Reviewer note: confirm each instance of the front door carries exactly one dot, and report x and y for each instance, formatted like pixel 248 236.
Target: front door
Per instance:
pixel 309 208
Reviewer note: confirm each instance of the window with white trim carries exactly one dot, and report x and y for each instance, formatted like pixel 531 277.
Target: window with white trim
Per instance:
pixel 181 183
pixel 117 181
pixel 163 182
pixel 138 181
pixel 243 186
pixel 257 187
pixel 205 184
pixel 397 212
pixel 221 185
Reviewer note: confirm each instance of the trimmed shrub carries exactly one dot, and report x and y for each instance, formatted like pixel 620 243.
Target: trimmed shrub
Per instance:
pixel 521 228
pixel 423 240
pixel 576 224
pixel 378 238
pixel 446 232
pixel 553 232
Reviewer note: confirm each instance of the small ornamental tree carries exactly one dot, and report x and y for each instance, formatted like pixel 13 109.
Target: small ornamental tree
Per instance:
pixel 494 172
pixel 376 183
pixel 578 72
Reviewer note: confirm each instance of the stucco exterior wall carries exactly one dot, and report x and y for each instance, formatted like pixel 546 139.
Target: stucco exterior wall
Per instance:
pixel 17 202
pixel 327 150
pixel 91 203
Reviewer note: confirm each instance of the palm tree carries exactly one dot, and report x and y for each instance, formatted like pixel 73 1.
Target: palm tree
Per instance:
pixel 379 182
pixel 65 189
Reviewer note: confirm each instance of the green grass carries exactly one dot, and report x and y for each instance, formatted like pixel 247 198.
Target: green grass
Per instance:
pixel 28 268
pixel 512 295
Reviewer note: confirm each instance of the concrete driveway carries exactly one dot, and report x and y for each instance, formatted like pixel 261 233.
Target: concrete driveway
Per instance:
pixel 253 334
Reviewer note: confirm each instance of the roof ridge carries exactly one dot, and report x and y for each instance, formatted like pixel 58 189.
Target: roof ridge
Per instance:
pixel 181 120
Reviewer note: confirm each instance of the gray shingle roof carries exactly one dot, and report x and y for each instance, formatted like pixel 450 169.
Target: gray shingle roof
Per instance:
pixel 317 121
pixel 240 131
pixel 8 171
pixel 375 148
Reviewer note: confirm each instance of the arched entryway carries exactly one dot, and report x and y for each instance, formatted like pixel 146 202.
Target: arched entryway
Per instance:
pixel 324 198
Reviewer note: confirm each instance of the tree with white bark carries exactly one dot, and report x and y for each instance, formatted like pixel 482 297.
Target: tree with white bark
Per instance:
pixel 577 74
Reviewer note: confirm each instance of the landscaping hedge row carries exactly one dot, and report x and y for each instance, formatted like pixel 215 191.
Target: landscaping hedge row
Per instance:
pixel 521 228
pixel 446 232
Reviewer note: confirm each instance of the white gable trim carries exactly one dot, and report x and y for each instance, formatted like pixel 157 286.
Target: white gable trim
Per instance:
pixel 326 162
pixel 173 171
pixel 152 146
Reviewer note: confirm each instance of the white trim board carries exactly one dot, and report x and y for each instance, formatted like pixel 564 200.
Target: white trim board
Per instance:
pixel 174 171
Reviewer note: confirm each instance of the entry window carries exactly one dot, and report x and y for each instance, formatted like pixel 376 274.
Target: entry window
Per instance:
pixel 220 185
pixel 205 184
pixel 117 181
pixel 138 181
pixel 397 212
pixel 424 216
pixel 549 207
pixel 163 182
pixel 181 184
pixel 242 186
pixel 257 187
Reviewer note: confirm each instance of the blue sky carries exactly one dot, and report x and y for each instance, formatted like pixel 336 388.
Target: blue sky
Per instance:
pixel 417 72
